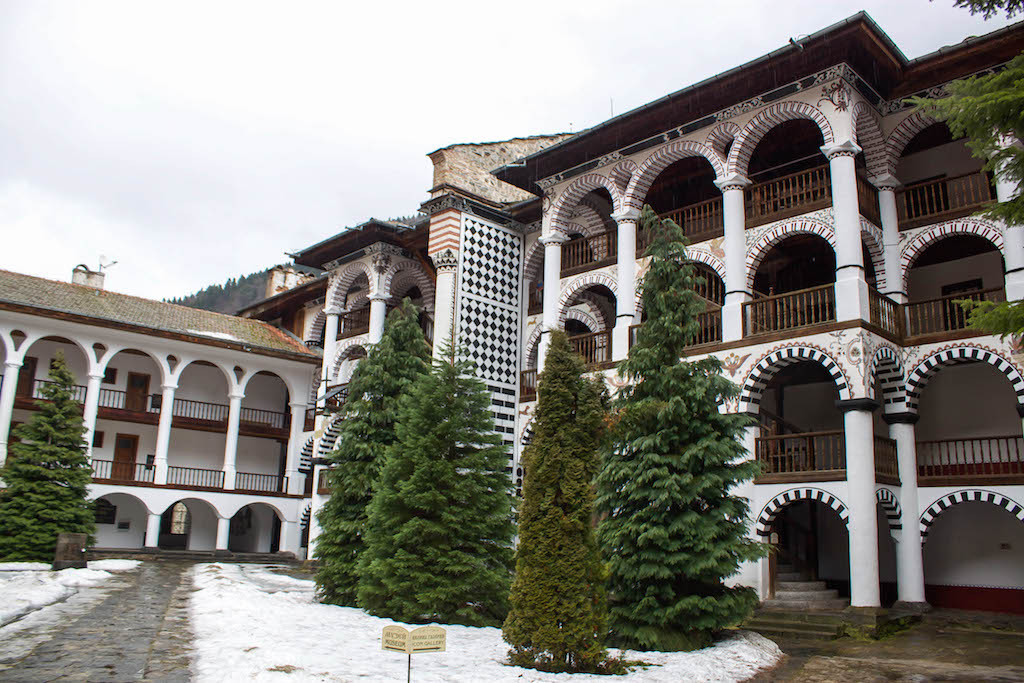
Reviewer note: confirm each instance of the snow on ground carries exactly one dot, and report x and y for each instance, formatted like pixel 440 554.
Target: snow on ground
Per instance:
pixel 29 586
pixel 113 565
pixel 253 624
pixel 23 566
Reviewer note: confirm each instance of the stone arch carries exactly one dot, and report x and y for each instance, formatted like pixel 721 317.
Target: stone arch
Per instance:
pixel 229 376
pixel 772 508
pixel 622 173
pixel 306 454
pixel 343 353
pixel 964 496
pixel 764 370
pixel 570 197
pixel 720 137
pixel 963 226
pixel 414 272
pixel 965 353
pixel 236 506
pixel 891 506
pixel 329 439
pixel 871 236
pixel 534 262
pixel 585 318
pixel 769 238
pixel 657 162
pixel 125 494
pixel 747 139
pixel 901 136
pixel 581 283
pixel 709 260
pixel 316 330
pixel 338 288
pixel 587 218
pixel 112 352
pixel 531 346
pixel 887 370
pixel 869 136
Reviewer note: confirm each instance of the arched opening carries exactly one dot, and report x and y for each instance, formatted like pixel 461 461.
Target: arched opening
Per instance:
pixel 790 175
pixel 593 236
pixel 120 521
pixel 263 435
pixel 811 557
pixel 685 192
pixel 357 320
pixel 887 586
pixel 256 528
pixel 948 270
pixel 596 302
pixel 793 285
pixel 188 524
pixel 346 365
pixel 941 179
pixel 195 454
pixel 974 558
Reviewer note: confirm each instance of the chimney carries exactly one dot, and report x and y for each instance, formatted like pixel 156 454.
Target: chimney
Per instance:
pixel 81 275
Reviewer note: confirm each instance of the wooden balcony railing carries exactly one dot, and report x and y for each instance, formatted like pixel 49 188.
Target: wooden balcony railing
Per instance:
pixel 709 328
pixel 309 423
pixel 200 410
pixel 943 199
pixel 700 222
pixel 943 314
pixel 122 472
pixel 194 476
pixel 867 200
pixel 336 398
pixel 354 323
pixel 528 385
pixel 264 418
pixel 595 347
pixel 995 459
pixel 790 195
pixel 586 253
pixel 78 391
pixel 885 313
pixel 790 310
pixel 810 456
pixel 260 483
pixel 323 483
pixel 535 304
pixel 887 470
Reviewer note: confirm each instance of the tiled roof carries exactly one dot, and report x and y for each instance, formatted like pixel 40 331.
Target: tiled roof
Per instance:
pixel 103 305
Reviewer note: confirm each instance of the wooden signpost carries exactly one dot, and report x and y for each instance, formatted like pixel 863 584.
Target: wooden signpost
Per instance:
pixel 417 641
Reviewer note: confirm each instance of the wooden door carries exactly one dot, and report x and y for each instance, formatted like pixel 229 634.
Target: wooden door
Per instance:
pixel 125 448
pixel 26 377
pixel 138 391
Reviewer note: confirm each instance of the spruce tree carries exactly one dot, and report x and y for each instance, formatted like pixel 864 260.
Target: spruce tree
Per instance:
pixel 440 528
pixel 47 475
pixel 672 529
pixel 557 616
pixel 368 429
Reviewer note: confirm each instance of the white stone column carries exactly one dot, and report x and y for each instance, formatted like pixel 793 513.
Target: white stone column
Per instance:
pixel 231 441
pixel 7 392
pixel 446 263
pixel 288 542
pixel 851 287
pixel 163 434
pixel 152 530
pixel 378 311
pixel 735 243
pixel 909 561
pixel 291 467
pixel 330 345
pixel 1013 245
pixel 625 300
pixel 887 185
pixel 90 409
pixel 552 242
pixel 863 517
pixel 223 531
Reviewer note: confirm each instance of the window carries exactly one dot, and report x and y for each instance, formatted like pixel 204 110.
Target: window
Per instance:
pixel 110 376
pixel 106 512
pixel 97 439
pixel 124 525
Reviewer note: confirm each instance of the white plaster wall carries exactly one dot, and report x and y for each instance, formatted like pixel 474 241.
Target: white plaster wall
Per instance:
pixel 129 509
pixel 965 547
pixel 131 362
pixel 192 448
pixel 44 350
pixel 257 456
pixel 111 428
pixel 926 282
pixel 266 392
pixel 203 533
pixel 202 383
pixel 962 401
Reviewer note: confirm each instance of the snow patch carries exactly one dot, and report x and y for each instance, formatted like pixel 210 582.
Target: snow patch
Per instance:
pixel 216 335
pixel 23 566
pixel 114 565
pixel 22 592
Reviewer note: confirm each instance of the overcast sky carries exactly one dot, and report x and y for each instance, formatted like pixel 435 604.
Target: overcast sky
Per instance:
pixel 192 142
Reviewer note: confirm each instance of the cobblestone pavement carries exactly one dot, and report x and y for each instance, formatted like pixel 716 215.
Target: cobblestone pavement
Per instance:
pixel 139 632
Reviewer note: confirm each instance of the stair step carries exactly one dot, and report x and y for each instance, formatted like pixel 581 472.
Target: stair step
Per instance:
pixel 834 603
pixel 784 568
pixel 825 620
pixel 784 632
pixel 801 585
pixel 810 594
pixel 790 576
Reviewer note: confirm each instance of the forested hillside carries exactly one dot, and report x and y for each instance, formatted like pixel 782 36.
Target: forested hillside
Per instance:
pixel 236 293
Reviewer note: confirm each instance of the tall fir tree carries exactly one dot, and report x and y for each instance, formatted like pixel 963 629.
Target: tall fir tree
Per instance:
pixel 47 475
pixel 368 429
pixel 557 616
pixel 440 528
pixel 672 528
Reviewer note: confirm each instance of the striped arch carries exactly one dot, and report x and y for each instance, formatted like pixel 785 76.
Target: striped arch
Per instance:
pixel 893 512
pixel 530 348
pixel 720 137
pixel 316 330
pixel 534 269
pixel 774 506
pixel 306 454
pixel 709 260
pixel 764 244
pixel 591 321
pixel 578 285
pixel 329 440
pixel 665 155
pixel 887 372
pixel 340 284
pixel 871 237
pixel 901 136
pixel 965 353
pixel 869 136
pixel 745 143
pixel 343 353
pixel 587 218
pixel 765 369
pixel 963 226
pixel 622 173
pixel 404 277
pixel 965 496
pixel 561 210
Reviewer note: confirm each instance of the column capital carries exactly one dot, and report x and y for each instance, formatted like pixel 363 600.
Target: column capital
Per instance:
pixel 236 395
pixel 905 418
pixel 445 261
pixel 13 364
pixel 732 181
pixel 885 181
pixel 332 310
pixel 376 296
pixel 169 387
pixel 865 404
pixel 627 215
pixel 298 405
pixel 844 148
pixel 554 237
pixel 96 376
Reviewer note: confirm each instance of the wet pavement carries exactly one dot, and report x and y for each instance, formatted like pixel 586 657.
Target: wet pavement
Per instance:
pixel 138 631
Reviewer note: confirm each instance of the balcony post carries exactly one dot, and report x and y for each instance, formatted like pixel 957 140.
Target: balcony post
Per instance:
pixel 886 185
pixel 223 530
pixel 625 299
pixel 152 530
pixel 7 392
pixel 378 311
pixel 231 442
pixel 445 263
pixel 552 289
pixel 291 467
pixel 909 562
pixel 163 434
pixel 90 410
pixel 851 287
pixel 863 516
pixel 735 242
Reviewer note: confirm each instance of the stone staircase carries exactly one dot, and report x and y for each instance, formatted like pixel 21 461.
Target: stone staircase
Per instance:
pixel 805 625
pixel 794 591
pixel 801 608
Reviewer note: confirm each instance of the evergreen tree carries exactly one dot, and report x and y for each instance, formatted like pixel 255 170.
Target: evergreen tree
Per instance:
pixel 439 533
pixel 368 429
pixel 672 531
pixel 557 617
pixel 47 475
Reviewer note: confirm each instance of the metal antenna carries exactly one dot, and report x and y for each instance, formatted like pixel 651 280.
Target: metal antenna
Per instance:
pixel 108 264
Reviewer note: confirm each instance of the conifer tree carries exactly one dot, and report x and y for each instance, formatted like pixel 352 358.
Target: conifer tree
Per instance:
pixel 368 429
pixel 439 533
pixel 47 475
pixel 672 529
pixel 557 615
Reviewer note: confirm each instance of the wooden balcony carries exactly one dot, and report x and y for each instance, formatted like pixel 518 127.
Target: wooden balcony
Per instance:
pixel 113 472
pixel 195 478
pixel 323 483
pixel 587 253
pixel 943 199
pixel 935 317
pixel 886 314
pixel 528 385
pixel 249 482
pixel 789 311
pixel 709 330
pixel 596 347
pixel 991 460
pixel 867 201
pixel 788 196
pixel 354 323
pixel 811 456
pixel 887 470
pixel 535 303
pixel 700 222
